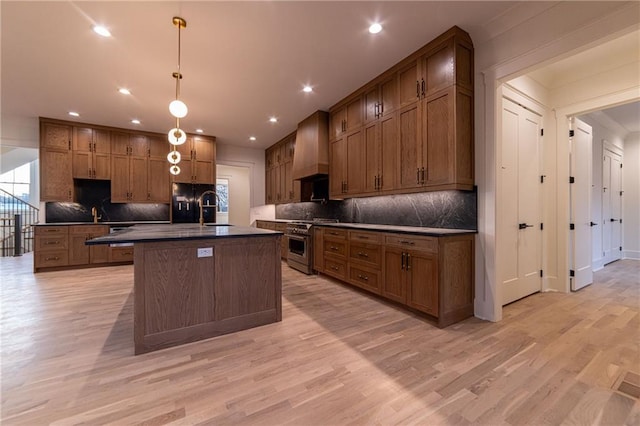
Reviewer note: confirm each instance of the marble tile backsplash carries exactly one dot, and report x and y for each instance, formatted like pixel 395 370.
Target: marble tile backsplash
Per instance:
pixel 98 194
pixel 441 209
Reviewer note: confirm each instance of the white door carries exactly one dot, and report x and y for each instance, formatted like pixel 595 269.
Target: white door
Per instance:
pixel 612 206
pixel 520 203
pixel 580 215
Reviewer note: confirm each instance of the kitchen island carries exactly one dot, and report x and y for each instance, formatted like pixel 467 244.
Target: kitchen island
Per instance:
pixel 194 282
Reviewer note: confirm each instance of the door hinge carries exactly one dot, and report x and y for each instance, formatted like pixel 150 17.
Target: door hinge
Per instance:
pixel 572 273
pixel 541 132
pixel 572 179
pixel 571 133
pixel 540 273
pixel 542 178
pixel 572 226
pixel 542 226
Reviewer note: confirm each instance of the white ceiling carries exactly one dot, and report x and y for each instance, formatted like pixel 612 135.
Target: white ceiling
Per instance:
pixel 242 61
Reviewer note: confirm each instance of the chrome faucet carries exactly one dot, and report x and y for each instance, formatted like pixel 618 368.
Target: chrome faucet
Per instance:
pixel 209 191
pixel 94 213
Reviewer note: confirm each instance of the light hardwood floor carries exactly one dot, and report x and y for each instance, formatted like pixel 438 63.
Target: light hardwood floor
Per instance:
pixel 338 357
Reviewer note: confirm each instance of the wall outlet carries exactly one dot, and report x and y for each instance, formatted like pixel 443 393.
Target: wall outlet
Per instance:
pixel 205 252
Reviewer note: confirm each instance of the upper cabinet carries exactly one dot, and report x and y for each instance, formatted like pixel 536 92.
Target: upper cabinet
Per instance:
pixel 280 188
pixel 198 160
pixel 56 181
pixel 415 128
pixel 91 153
pixel 134 162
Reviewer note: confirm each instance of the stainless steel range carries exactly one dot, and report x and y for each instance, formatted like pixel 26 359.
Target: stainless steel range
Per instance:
pixel 300 253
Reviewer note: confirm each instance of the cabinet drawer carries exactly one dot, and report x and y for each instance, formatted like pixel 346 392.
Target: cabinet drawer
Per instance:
pixel 335 248
pixel 121 254
pixel 365 237
pixel 370 254
pixel 282 227
pixel 340 234
pixel 93 230
pixel 264 224
pixel 52 230
pixel 52 242
pixel 335 268
pixel 429 244
pixel 365 278
pixel 51 258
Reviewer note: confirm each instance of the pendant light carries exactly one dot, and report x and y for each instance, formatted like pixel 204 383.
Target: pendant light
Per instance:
pixel 178 109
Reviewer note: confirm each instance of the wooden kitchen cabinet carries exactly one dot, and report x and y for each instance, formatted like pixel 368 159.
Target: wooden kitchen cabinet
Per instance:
pixel 280 187
pixel 277 226
pixel 198 160
pixel 91 153
pixel 347 166
pixel 81 254
pixel 51 247
pixel 56 179
pixel 431 275
pixel 416 127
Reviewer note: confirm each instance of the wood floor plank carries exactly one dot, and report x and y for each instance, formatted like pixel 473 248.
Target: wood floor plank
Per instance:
pixel 339 357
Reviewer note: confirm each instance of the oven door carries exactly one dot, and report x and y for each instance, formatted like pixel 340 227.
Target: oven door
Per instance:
pixel 298 248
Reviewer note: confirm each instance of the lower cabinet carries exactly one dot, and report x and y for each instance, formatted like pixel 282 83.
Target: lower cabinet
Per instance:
pixel 276 226
pixel 60 247
pixel 432 275
pixel 81 254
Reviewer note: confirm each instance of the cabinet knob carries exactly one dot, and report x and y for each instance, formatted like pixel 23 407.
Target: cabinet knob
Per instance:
pixel 363 277
pixel 361 254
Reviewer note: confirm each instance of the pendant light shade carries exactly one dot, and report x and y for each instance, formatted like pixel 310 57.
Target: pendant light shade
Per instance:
pixel 173 157
pixel 174 170
pixel 178 108
pixel 177 136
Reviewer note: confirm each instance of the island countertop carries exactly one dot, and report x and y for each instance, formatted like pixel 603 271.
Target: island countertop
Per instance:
pixel 189 231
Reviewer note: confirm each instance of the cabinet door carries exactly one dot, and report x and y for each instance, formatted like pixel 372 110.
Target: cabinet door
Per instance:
pixel 408 173
pixel 337 123
pixel 276 181
pixel 438 151
pixel 371 99
pixel 289 194
pixel 159 190
pixel 439 68
pixel 355 114
pixel 389 100
pixel 388 164
pixel 55 136
pixel 99 254
pixel 102 141
pixel 56 180
pixel 138 183
pixel 83 139
pixel 394 284
pixel 82 165
pixel 337 164
pixel 203 149
pixel 119 143
pixel 158 147
pixel 422 269
pixel 269 196
pixel 355 169
pixel 139 146
pixel 203 171
pixel 186 170
pixel 120 178
pixel 318 249
pixel 78 251
pixel 409 85
pixel 101 166
pixel 371 156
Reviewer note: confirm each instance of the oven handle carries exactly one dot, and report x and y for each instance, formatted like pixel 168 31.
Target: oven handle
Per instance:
pixel 297 237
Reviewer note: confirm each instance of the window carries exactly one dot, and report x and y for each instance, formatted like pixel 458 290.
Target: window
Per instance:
pixel 16 182
pixel 222 189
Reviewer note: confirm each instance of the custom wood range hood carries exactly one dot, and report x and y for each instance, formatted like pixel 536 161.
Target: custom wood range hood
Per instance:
pixel 311 156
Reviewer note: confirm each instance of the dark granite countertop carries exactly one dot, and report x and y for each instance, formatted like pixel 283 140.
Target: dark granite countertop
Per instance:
pixel 416 230
pixel 189 231
pixel 106 223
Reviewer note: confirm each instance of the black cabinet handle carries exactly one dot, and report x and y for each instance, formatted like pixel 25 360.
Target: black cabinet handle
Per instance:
pixel 402 261
pixel 422 174
pixel 613 220
pixel 524 225
pixel 593 224
pixel 423 87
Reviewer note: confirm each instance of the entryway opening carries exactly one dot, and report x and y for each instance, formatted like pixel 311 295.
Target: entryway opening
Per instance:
pixel 233 186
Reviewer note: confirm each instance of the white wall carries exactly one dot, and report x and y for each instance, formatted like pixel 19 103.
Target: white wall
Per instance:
pixel 239 192
pixel 631 197
pixel 519 42
pixel 252 158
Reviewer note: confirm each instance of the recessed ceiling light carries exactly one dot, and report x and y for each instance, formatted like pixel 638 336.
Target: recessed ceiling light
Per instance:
pixel 252 138
pixel 307 89
pixel 199 131
pixel 273 119
pixel 375 28
pixel 103 31
pixel 124 91
pixel 74 114
pixel 135 121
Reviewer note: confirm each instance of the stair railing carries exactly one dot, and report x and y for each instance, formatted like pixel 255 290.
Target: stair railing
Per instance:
pixel 17 221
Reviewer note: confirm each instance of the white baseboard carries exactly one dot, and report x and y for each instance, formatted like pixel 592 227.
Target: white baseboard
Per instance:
pixel 597 264
pixel 631 254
